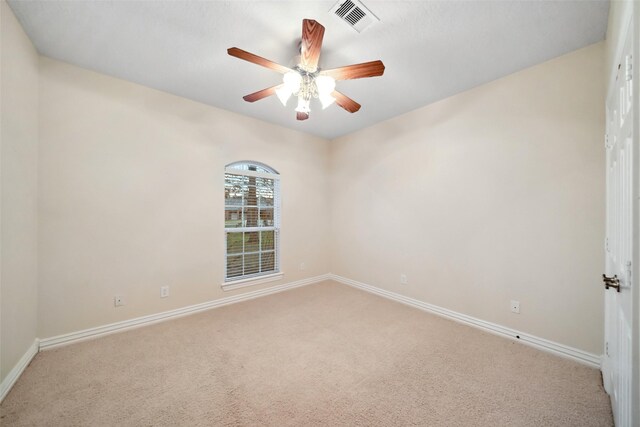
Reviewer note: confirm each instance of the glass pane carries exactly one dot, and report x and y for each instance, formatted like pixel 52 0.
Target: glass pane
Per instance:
pixel 233 196
pixel 234 189
pixel 234 243
pixel 251 195
pixel 233 217
pixel 265 200
pixel 251 242
pixel 266 217
pixel 251 217
pixel 268 261
pixel 265 196
pixel 251 263
pixel 267 240
pixel 235 180
pixel 264 182
pixel 234 266
pixel 251 167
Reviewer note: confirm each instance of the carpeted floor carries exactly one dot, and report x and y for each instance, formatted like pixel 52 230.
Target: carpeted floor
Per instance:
pixel 324 354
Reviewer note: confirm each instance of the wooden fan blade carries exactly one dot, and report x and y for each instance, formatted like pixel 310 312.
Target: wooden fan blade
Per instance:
pixel 250 57
pixel 302 116
pixel 356 71
pixel 345 102
pixel 312 34
pixel 257 96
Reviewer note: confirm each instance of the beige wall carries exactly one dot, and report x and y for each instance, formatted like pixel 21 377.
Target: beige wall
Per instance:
pixel 18 176
pixel 491 195
pixel 131 198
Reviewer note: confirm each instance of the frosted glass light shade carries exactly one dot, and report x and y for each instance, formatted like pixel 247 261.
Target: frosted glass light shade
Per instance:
pixel 326 100
pixel 283 94
pixel 325 85
pixel 292 81
pixel 319 86
pixel 303 106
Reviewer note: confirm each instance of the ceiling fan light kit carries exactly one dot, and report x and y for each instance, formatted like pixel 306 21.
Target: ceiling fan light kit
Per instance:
pixel 306 81
pixel 305 86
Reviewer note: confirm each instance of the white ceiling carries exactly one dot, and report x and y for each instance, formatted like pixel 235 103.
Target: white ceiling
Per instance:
pixel 431 49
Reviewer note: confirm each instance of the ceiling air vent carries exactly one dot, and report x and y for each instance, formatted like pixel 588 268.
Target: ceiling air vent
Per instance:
pixel 354 13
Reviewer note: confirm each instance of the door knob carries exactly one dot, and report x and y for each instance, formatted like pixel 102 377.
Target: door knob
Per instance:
pixel 611 282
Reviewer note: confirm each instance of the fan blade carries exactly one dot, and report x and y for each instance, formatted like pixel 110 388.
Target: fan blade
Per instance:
pixel 345 102
pixel 250 57
pixel 257 96
pixel 356 71
pixel 312 34
pixel 302 116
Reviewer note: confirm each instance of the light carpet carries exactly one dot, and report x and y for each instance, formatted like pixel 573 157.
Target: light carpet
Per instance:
pixel 324 354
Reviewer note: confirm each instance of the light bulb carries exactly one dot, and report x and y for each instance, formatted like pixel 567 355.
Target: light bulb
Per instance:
pixel 326 100
pixel 303 105
pixel 325 85
pixel 283 94
pixel 292 81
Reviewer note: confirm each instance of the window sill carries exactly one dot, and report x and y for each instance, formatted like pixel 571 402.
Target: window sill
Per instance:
pixel 252 281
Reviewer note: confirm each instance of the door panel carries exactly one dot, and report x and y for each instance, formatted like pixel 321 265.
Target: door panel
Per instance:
pixel 621 224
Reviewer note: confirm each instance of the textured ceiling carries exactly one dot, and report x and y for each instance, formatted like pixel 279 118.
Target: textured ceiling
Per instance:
pixel 431 49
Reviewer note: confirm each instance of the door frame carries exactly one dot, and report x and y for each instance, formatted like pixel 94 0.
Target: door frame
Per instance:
pixel 635 358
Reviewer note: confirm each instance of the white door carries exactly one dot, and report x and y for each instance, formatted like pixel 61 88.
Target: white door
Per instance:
pixel 622 221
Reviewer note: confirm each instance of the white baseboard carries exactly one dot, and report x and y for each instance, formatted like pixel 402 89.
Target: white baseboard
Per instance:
pixel 17 370
pixel 99 331
pixel 539 343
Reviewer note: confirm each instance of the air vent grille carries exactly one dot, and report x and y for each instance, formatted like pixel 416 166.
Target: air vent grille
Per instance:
pixel 344 8
pixel 354 13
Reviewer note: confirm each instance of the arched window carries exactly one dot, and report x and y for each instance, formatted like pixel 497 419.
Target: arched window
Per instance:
pixel 251 220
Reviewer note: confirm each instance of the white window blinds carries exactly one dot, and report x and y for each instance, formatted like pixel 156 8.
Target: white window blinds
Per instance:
pixel 252 220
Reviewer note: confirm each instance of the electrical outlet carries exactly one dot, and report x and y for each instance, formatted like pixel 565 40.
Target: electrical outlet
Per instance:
pixel 164 291
pixel 118 300
pixel 515 306
pixel 403 279
pixel 303 266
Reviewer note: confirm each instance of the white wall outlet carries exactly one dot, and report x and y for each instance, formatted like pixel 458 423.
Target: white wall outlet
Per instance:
pixel 403 279
pixel 515 306
pixel 118 300
pixel 164 291
pixel 303 266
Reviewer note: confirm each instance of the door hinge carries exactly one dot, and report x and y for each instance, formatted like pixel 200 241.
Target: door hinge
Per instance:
pixel 628 69
pixel 606 244
pixel 606 348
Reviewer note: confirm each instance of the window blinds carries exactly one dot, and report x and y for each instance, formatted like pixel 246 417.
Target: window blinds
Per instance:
pixel 251 221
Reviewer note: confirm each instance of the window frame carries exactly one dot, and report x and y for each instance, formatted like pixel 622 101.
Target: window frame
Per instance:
pixel 242 168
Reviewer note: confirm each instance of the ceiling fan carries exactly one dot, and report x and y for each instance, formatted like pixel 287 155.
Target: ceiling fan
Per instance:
pixel 306 80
